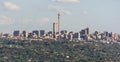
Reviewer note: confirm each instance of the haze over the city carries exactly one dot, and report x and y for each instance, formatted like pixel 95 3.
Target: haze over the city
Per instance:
pixel 100 15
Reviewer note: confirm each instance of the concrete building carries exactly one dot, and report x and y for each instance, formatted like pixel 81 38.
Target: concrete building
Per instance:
pixel 30 35
pixel 25 33
pixel 55 28
pixel 36 32
pixel 16 33
pixel 106 33
pixel 63 32
pixel 50 34
pixel 42 33
pixel 87 31
pixel 70 36
pixel 76 36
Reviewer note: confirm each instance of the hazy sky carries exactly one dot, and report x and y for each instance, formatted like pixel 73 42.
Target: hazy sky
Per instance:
pixel 100 15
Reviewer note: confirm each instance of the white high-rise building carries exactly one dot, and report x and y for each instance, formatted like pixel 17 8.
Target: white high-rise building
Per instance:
pixel 55 28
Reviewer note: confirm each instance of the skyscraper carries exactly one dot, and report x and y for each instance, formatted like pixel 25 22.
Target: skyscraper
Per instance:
pixel 25 33
pixel 42 33
pixel 36 32
pixel 88 31
pixel 16 33
pixel 55 28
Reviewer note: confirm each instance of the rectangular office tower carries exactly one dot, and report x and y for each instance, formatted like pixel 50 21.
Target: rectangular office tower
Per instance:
pixel 36 32
pixel 42 33
pixel 55 28
pixel 16 33
pixel 25 34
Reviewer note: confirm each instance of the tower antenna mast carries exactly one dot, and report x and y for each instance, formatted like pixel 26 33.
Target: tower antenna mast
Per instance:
pixel 59 21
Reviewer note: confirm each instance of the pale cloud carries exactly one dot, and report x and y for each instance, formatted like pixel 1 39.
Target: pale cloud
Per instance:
pixel 55 7
pixel 24 20
pixel 59 9
pixel 85 12
pixel 67 12
pixel 11 6
pixel 72 1
pixel 43 20
pixel 6 20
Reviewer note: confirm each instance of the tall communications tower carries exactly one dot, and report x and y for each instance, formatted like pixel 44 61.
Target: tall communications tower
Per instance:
pixel 58 21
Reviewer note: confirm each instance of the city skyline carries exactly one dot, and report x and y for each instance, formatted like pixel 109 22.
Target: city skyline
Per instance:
pixel 98 15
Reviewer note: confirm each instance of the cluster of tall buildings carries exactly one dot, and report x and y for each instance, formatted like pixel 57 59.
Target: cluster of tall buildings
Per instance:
pixel 56 25
pixel 34 34
pixel 83 34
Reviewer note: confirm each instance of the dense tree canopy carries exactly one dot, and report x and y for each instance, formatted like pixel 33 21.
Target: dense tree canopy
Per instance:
pixel 58 51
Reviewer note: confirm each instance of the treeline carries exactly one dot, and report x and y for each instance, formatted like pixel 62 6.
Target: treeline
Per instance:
pixel 58 51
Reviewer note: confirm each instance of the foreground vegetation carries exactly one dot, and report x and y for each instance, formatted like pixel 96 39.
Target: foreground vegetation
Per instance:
pixel 58 51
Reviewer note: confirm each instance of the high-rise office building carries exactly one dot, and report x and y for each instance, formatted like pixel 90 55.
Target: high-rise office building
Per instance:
pixel 84 31
pixel 6 35
pixel 106 33
pixel 16 33
pixel 87 31
pixel 1 34
pixel 36 32
pixel 50 32
pixel 25 33
pixel 42 32
pixel 70 35
pixel 63 32
pixel 55 28
pixel 30 35
pixel 76 35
